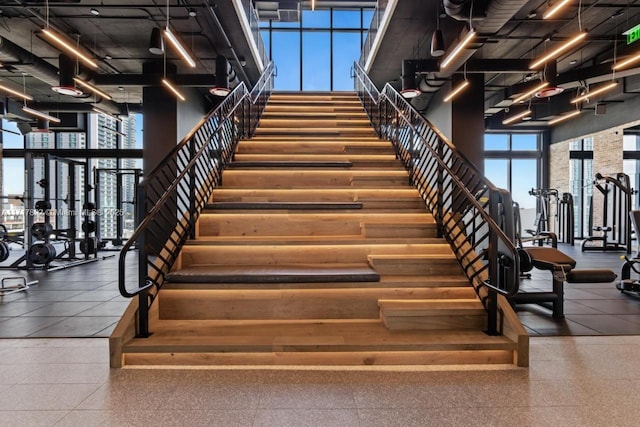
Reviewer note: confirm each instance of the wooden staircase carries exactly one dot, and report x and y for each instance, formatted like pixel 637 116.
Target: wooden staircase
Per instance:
pixel 317 251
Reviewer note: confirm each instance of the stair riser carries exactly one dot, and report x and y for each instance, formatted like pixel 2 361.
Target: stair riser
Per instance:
pixel 298 123
pixel 273 179
pixel 399 267
pixel 311 357
pixel 316 131
pixel 435 323
pixel 288 304
pixel 350 195
pixel 282 255
pixel 308 225
pixel 285 148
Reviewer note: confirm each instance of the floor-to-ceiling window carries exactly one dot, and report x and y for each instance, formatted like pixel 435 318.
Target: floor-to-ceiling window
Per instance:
pixel 513 161
pixel 316 53
pixel 631 161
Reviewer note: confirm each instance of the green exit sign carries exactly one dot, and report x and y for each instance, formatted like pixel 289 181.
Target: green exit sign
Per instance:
pixel 633 34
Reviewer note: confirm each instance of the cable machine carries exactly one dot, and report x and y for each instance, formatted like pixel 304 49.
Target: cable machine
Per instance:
pixel 615 231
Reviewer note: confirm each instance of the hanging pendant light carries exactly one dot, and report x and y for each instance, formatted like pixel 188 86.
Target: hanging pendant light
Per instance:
pixel 156 42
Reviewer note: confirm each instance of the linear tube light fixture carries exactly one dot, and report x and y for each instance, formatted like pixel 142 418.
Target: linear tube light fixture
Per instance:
pixel 558 50
pixel 462 86
pixel 559 5
pixel 92 88
pixel 173 89
pixel 516 117
pixel 456 51
pixel 313 4
pixel 105 113
pixel 530 93
pixel 70 48
pixel 593 93
pixel 178 46
pixel 563 118
pixel 40 114
pixel 16 93
pixel 623 64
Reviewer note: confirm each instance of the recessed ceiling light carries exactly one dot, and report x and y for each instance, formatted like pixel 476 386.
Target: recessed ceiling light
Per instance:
pixel 120 88
pixel 67 90
pixel 95 11
pixel 192 13
pixel 108 57
pixel 532 15
pixel 573 62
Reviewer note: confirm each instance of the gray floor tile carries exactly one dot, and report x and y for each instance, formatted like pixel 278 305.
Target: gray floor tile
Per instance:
pixel 25 326
pixel 76 327
pixel 108 308
pixel 31 418
pixel 18 308
pixel 64 309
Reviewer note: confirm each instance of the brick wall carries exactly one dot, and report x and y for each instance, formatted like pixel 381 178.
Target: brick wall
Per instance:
pixel 607 160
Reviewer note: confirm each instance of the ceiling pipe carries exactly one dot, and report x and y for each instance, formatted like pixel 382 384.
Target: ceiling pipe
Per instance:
pixel 26 62
pixel 461 9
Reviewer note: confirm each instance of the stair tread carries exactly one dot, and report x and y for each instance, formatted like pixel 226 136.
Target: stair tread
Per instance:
pixel 304 335
pixel 270 205
pixel 415 305
pixel 329 239
pixel 290 164
pixel 270 273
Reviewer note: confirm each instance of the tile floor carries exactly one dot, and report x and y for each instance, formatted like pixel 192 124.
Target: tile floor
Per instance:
pixel 84 301
pixel 572 381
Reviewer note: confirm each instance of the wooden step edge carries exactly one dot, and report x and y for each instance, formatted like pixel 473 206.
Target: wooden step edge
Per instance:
pixel 290 164
pixel 339 360
pixel 304 206
pixel 333 240
pixel 431 307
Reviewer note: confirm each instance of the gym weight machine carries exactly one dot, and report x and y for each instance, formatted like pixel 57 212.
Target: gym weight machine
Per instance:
pixel 615 231
pixel 120 174
pixel 41 215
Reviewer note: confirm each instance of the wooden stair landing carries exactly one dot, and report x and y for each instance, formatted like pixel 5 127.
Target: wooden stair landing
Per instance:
pixel 309 342
pixel 292 273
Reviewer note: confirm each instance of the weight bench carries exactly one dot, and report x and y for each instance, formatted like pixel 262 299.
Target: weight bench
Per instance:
pixel 562 268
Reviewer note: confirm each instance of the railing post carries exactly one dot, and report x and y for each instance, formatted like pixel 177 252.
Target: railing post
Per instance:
pixel 143 297
pixel 192 191
pixel 492 257
pixel 440 192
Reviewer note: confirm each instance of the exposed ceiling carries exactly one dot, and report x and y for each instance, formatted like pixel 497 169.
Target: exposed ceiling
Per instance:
pixel 522 34
pixel 117 32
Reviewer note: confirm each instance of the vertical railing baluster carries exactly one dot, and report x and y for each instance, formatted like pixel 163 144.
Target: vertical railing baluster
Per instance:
pixel 143 297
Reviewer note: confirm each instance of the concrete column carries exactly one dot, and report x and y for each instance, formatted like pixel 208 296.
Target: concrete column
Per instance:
pixel 467 119
pixel 166 119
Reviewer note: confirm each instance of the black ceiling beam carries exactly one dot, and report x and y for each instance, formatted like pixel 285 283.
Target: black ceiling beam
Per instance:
pixel 478 65
pixel 192 80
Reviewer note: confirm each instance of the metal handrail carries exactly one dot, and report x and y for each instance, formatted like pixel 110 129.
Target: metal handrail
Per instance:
pixel 174 193
pixel 471 213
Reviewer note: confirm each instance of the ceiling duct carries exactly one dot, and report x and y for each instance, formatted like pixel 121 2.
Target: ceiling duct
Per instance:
pixel 24 61
pixel 289 11
pixel 461 9
pixel 498 13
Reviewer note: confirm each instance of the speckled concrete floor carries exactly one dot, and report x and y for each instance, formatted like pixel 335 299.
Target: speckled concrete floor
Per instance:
pixel 572 381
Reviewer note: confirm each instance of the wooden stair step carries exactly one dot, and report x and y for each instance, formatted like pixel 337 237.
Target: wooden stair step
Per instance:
pixel 330 253
pixel 432 314
pixel 271 178
pixel 210 303
pixel 211 273
pixel 315 131
pixel 284 205
pixel 314 122
pixel 353 239
pixel 309 195
pixel 355 113
pixel 188 336
pixel 437 282
pixel 408 264
pixel 289 164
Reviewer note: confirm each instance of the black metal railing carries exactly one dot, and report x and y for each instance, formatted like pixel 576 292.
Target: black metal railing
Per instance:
pixel 172 195
pixel 473 215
